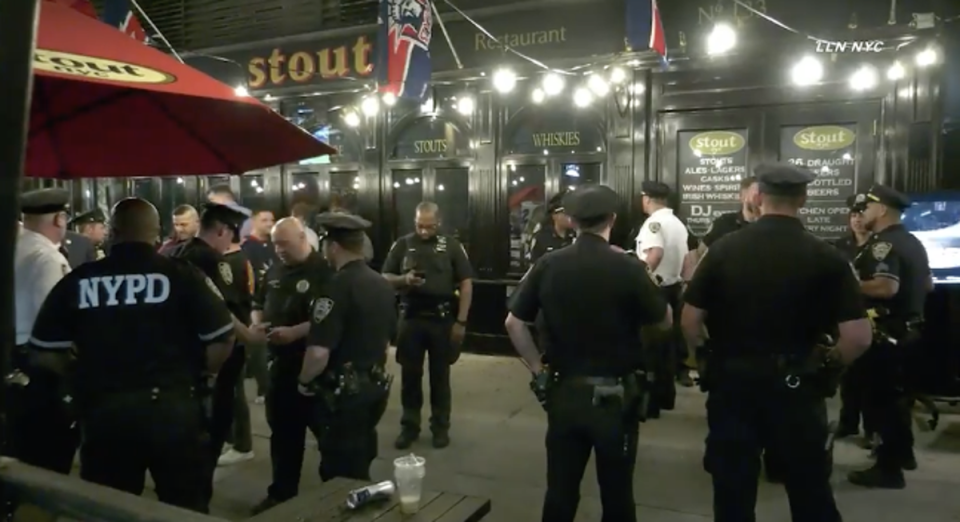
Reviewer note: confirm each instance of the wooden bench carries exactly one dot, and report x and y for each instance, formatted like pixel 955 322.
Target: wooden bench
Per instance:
pixel 327 504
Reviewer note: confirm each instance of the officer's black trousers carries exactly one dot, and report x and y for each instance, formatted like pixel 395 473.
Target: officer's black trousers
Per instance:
pixel 746 416
pixel 41 431
pixel 575 428
pixel 348 440
pixel 221 423
pixel 417 338
pixel 668 353
pixel 126 435
pixel 289 415
pixel 241 436
pixel 888 405
pixel 853 395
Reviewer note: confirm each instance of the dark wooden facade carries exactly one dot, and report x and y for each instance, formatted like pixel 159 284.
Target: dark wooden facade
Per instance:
pixel 489 167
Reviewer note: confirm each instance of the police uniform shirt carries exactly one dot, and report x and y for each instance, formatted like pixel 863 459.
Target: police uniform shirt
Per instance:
pixel 215 266
pixel 664 230
pixel 354 317
pixel 287 291
pixel 723 225
pixel 79 249
pixel 244 283
pixel 136 319
pixel 848 247
pixel 545 239
pixel 593 299
pixel 781 303
pixel 895 253
pixel 441 257
pixel 262 255
pixel 38 266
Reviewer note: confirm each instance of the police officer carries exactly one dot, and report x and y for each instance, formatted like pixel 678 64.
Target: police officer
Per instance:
pixel 430 269
pixel 662 245
pixel 219 228
pixel 353 322
pixel 553 232
pixel 594 300
pixel 764 317
pixel 92 225
pixel 135 332
pixel 851 386
pixel 896 278
pixel 282 305
pixel 44 440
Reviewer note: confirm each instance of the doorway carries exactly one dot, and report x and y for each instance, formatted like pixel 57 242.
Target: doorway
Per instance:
pixel 446 183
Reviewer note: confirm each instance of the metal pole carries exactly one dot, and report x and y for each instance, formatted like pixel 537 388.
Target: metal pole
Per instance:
pixel 443 28
pixel 143 14
pixel 18 33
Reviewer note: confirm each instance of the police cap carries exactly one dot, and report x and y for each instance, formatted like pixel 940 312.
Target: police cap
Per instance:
pixel 857 203
pixel 590 202
pixel 655 189
pixel 780 179
pixel 213 212
pixel 888 197
pixel 556 203
pixel 94 216
pixel 341 225
pixel 45 201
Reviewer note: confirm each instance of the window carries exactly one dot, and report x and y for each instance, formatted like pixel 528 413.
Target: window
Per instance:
pixel 343 191
pixel 213 181
pixel 452 194
pixel 407 194
pixel 526 201
pixel 144 188
pixel 251 192
pixel 573 175
pixel 305 188
pixel 173 193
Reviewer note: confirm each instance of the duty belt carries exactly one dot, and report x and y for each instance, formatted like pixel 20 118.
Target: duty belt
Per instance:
pixel 413 310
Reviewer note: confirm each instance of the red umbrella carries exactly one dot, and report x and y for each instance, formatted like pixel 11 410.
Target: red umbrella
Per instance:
pixel 105 105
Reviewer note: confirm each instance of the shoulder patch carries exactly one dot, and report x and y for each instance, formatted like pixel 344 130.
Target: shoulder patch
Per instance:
pixel 654 227
pixel 880 250
pixel 213 286
pixel 225 272
pixel 321 309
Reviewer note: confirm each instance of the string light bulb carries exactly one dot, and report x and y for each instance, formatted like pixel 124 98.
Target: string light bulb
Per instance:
pixel 807 71
pixel 389 99
pixel 351 118
pixel 865 78
pixel 597 85
pixel 582 97
pixel 466 105
pixel 504 80
pixel 552 84
pixel 926 57
pixel 722 39
pixel 370 106
pixel 538 95
pixel 896 72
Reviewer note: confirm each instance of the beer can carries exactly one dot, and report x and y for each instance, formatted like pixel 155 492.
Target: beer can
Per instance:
pixel 365 495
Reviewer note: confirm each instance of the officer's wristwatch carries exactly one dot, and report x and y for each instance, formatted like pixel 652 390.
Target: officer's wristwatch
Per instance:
pixel 461 323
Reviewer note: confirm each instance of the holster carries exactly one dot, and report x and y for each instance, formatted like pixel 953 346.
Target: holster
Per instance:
pixel 347 381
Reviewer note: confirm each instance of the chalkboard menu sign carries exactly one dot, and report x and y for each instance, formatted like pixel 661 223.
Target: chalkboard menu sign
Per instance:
pixel 711 165
pixel 830 152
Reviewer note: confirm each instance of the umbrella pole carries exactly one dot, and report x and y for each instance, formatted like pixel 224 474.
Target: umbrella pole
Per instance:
pixel 18 33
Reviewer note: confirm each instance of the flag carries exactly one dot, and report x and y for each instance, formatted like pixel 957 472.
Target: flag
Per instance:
pixel 120 14
pixel 84 6
pixel 403 47
pixel 645 27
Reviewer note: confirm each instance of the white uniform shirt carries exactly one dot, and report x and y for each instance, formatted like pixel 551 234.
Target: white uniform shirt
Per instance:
pixel 664 230
pixel 38 267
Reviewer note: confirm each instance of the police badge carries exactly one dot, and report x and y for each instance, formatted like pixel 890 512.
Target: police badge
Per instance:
pixel 225 272
pixel 654 227
pixel 321 309
pixel 303 285
pixel 880 250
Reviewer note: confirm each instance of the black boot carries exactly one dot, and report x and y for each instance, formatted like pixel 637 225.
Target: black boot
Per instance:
pixel 878 477
pixel 441 439
pixel 909 462
pixel 684 379
pixel 405 439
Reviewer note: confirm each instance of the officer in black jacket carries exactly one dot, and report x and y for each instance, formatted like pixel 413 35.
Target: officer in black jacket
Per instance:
pixel 434 276
pixel 282 306
pixel 852 243
pixel 353 321
pixel 594 301
pixel 896 278
pixel 554 232
pixel 136 332
pixel 733 221
pixel 92 225
pixel 765 317
pixel 219 228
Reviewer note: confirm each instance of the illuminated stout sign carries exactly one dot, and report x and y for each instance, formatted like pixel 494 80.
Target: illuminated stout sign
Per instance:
pixel 279 69
pixel 430 138
pixel 830 152
pixel 711 166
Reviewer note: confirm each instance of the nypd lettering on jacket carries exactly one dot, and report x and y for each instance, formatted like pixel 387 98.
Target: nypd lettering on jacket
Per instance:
pixel 122 290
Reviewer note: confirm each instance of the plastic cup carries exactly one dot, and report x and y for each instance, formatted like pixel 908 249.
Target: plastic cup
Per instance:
pixel 408 473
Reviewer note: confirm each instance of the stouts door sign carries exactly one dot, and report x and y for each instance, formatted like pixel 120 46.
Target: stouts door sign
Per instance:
pixel 711 165
pixel 830 152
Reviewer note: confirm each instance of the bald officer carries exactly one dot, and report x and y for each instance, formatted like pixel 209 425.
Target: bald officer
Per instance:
pixel 662 245
pixel 765 316
pixel 135 333
pixel 45 440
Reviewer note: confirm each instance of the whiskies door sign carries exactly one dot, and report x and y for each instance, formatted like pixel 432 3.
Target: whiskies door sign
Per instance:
pixel 555 132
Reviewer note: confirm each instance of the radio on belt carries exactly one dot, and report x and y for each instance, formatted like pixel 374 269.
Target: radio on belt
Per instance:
pixel 365 495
